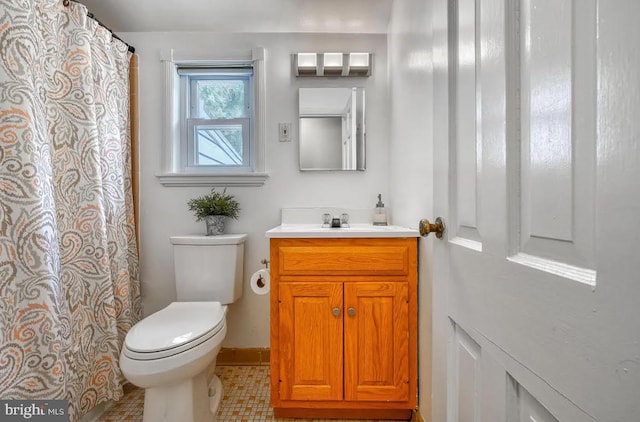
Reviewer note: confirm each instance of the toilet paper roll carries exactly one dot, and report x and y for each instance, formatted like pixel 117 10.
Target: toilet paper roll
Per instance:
pixel 260 282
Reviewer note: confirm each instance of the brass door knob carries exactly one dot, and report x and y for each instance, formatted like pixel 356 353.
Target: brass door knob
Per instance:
pixel 351 312
pixel 336 311
pixel 426 227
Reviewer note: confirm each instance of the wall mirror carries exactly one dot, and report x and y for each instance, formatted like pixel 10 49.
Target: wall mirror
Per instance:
pixel 332 130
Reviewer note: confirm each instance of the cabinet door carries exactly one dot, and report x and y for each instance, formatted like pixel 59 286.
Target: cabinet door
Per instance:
pixel 310 341
pixel 376 343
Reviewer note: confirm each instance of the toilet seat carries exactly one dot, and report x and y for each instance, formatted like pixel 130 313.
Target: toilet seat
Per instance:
pixel 178 327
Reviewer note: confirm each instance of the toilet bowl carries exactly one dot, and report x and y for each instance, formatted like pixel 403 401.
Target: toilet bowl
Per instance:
pixel 169 354
pixel 172 353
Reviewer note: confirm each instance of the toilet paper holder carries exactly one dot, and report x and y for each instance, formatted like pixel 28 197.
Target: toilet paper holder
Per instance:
pixel 260 281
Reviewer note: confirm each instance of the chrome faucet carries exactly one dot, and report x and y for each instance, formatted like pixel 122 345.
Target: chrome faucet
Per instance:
pixel 329 221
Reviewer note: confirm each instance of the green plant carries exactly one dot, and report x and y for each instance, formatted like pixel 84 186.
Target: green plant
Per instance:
pixel 215 203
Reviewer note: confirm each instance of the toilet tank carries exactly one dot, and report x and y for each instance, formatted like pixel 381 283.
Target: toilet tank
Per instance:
pixel 208 268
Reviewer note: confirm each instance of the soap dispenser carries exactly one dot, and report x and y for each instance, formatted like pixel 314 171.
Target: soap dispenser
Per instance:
pixel 380 213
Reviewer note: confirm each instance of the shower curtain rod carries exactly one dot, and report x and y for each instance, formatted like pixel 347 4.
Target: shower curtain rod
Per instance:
pixel 131 48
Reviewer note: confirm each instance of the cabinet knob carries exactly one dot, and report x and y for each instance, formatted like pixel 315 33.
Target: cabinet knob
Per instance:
pixel 351 312
pixel 336 311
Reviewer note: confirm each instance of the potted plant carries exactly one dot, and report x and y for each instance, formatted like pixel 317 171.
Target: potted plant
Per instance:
pixel 213 208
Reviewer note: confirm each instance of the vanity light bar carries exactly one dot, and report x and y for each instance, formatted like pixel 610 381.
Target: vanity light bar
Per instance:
pixel 306 63
pixel 332 64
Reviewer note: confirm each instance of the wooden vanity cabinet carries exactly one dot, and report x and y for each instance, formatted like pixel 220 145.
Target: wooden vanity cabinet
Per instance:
pixel 344 327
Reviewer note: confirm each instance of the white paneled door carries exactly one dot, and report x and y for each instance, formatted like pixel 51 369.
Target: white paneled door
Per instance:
pixel 536 291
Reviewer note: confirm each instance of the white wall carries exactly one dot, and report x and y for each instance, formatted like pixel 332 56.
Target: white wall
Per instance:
pixel 163 211
pixel 411 148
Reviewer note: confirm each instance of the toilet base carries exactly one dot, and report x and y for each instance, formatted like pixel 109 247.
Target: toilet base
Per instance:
pixel 215 395
pixel 187 401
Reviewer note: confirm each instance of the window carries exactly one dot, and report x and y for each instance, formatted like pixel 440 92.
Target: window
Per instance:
pixel 217 111
pixel 214 128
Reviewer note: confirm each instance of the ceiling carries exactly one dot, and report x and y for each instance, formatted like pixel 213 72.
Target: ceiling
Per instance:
pixel 322 16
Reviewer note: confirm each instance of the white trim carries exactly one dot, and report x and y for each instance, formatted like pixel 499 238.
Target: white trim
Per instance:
pixel 260 109
pixel 582 275
pixel 213 180
pixel 171 150
pixel 467 243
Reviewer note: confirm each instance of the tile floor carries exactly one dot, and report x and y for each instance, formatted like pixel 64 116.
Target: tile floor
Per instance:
pixel 246 398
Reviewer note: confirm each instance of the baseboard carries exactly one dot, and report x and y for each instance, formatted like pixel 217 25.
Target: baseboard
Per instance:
pixel 416 416
pixel 240 357
pixel 97 412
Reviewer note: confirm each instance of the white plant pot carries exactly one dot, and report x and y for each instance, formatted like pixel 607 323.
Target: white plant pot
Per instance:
pixel 215 224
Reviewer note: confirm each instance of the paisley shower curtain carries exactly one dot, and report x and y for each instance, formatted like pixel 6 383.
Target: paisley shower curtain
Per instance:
pixel 69 287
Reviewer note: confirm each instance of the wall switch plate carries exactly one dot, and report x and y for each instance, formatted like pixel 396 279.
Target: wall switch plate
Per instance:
pixel 284 130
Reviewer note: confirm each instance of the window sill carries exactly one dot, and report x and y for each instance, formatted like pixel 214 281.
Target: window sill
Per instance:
pixel 213 180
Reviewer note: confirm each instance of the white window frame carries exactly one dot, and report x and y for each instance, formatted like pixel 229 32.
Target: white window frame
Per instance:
pixel 175 168
pixel 189 78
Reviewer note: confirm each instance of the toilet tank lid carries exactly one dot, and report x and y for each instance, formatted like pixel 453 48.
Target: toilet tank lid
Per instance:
pixel 223 239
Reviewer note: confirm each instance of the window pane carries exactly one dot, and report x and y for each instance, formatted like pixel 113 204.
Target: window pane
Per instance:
pixel 220 99
pixel 219 145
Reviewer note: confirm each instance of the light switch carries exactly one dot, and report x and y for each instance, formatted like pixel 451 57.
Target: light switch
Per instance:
pixel 284 132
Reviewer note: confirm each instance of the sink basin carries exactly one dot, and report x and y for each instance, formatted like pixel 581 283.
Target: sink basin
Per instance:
pixel 354 230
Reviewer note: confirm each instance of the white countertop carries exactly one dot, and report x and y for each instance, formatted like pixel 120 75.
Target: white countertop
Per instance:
pixel 354 230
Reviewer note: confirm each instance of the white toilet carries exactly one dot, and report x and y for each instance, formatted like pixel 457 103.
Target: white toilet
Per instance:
pixel 172 353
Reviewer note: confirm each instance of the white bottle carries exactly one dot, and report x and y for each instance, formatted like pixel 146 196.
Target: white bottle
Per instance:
pixel 380 213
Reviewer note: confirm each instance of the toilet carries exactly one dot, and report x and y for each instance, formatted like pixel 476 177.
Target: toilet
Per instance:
pixel 172 353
